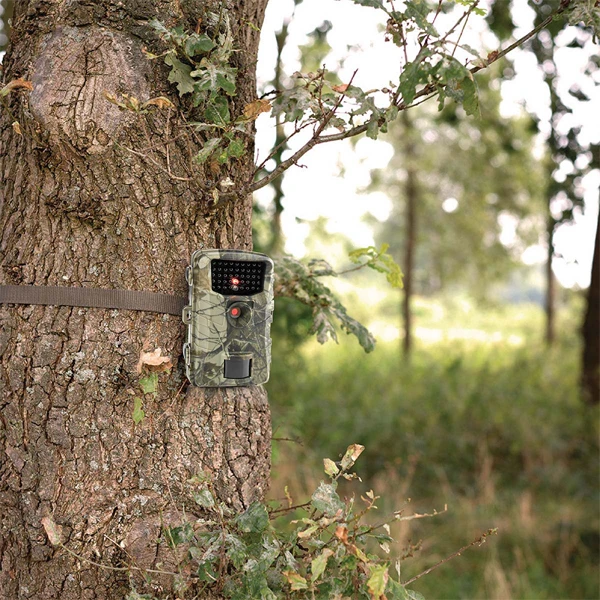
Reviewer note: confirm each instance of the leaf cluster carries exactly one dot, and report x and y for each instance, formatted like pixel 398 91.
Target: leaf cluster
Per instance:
pixel 300 281
pixel 379 260
pixel 201 68
pixel 326 555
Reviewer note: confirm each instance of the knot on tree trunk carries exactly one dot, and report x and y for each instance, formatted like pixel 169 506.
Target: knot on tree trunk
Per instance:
pixel 73 70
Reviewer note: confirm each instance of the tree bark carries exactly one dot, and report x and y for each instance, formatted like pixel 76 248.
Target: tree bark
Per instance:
pixel 93 196
pixel 590 380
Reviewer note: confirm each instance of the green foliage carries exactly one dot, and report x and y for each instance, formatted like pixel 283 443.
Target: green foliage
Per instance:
pixel 325 552
pixel 586 12
pixel 200 65
pixel 297 280
pixel 496 429
pixel 379 260
pixel 300 281
pixel 138 413
pixel 149 383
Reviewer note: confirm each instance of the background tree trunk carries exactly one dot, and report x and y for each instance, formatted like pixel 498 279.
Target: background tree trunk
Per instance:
pixel 550 299
pixel 97 197
pixel 590 380
pixel 411 192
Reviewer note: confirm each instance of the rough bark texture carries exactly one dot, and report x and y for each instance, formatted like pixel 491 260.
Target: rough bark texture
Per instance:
pixel 97 197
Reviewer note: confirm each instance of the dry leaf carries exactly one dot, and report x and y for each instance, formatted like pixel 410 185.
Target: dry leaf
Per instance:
pixel 154 359
pixel 110 97
pixel 16 84
pixel 53 531
pixel 252 110
pixel 160 102
pixel 341 533
pixel 17 127
pixel 340 88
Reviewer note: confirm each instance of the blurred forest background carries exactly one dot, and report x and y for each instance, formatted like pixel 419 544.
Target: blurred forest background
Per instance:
pixel 472 396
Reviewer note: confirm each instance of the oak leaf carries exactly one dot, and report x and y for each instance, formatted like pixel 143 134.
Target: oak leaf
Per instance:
pixel 252 110
pixel 53 531
pixel 159 102
pixel 340 88
pixel 154 359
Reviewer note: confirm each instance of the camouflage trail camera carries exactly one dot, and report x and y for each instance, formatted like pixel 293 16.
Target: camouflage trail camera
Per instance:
pixel 229 318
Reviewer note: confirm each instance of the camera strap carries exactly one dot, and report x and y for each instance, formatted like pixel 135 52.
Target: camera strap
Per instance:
pixel 92 298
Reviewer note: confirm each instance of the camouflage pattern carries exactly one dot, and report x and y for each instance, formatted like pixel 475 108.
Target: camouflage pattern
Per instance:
pixel 213 336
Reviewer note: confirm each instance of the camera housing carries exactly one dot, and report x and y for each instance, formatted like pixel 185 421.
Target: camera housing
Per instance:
pixel 228 318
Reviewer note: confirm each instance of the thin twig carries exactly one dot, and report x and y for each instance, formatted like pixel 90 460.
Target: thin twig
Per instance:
pixel 462 31
pixel 289 508
pixel 111 568
pixel 155 163
pixel 420 515
pixel 286 164
pixel 497 56
pixel 480 540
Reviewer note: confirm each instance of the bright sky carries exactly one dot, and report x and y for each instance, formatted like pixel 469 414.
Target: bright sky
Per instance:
pixel 328 184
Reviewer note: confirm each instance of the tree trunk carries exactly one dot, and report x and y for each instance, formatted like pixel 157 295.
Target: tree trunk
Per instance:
pixel 93 196
pixel 590 380
pixel 411 192
pixel 550 304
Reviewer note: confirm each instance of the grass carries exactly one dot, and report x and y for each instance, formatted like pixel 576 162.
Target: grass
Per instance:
pixel 490 424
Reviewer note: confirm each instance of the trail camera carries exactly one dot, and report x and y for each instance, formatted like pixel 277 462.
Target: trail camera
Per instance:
pixel 229 318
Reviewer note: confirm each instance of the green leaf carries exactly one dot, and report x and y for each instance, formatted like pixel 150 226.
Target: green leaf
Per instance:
pixel 296 581
pixel 396 591
pixel 207 571
pixel 138 414
pixel 149 384
pixel 409 79
pixel 235 149
pixel 198 44
pixel 179 535
pixel 373 129
pixel 330 467
pixel 156 24
pixel 326 500
pixel 378 580
pixel 209 147
pixel 212 77
pixel 225 83
pixel 236 550
pixel 180 74
pixel 254 519
pixel 217 111
pixel 318 564
pixel 372 3
pixel 471 96
pixel 204 498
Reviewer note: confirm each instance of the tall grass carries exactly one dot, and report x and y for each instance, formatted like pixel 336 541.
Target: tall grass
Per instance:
pixel 496 430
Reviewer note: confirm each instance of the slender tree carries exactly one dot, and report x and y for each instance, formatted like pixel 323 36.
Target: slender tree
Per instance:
pixel 411 193
pixel 590 376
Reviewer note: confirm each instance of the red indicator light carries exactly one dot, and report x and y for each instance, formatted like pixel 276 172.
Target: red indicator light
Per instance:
pixel 235 312
pixel 234 281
